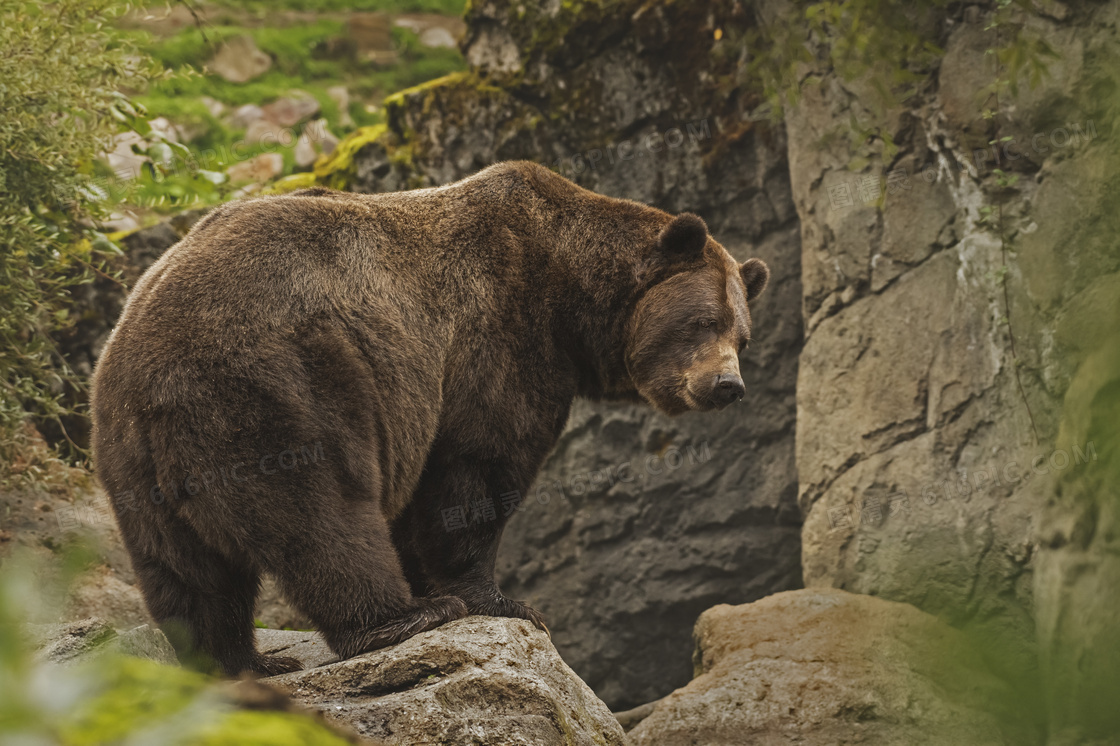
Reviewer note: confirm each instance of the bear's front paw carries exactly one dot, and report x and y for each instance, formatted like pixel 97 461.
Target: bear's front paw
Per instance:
pixel 274 665
pixel 423 615
pixel 502 606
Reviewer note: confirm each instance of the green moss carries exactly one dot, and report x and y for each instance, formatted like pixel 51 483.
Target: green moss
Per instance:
pixel 452 93
pixel 135 699
pixel 252 728
pixel 445 7
pixel 116 236
pixel 134 694
pixel 282 186
pixel 337 169
pixel 441 90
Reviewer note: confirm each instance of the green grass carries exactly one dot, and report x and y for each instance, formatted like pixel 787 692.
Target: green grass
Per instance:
pixel 444 7
pixel 300 62
pixel 297 64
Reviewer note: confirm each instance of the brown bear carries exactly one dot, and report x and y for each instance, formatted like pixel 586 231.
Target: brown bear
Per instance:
pixel 310 385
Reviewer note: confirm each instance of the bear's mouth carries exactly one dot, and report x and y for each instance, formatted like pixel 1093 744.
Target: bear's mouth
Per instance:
pixel 699 403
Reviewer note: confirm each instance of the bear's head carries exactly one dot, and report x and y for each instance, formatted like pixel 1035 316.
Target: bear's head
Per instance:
pixel 690 326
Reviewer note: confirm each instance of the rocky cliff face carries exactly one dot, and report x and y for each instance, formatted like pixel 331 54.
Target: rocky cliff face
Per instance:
pixel 638 522
pixel 952 291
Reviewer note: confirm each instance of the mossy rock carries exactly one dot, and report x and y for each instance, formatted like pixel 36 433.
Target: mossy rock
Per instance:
pixel 171 705
pixel 337 170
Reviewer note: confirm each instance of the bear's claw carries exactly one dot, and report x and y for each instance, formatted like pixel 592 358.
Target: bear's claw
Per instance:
pixel 274 665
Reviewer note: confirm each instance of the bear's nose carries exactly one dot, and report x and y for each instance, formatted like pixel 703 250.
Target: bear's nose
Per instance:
pixel 729 387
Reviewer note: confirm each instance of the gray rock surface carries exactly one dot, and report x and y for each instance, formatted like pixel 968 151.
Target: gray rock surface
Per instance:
pixel 915 441
pixel 309 648
pixel 104 594
pixel 478 680
pixel 92 637
pixel 931 465
pixel 822 666
pixel 239 60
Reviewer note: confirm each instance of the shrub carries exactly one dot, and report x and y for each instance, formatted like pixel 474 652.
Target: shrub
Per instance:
pixel 61 73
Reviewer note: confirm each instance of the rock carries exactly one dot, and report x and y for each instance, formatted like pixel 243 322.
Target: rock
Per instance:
pixel 439 28
pixel 147 642
pixel 244 116
pixel 106 596
pixel 89 638
pixel 1078 565
pixel 475 680
pixel 629 719
pixel 305 153
pixel 372 37
pixel 213 105
pixel 119 222
pixel 265 130
pixel 239 60
pixel 291 109
pixel 65 643
pixel 165 130
pixel 918 424
pixel 123 161
pixel 438 38
pixel 314 140
pixel 258 169
pixel 341 97
pixel 825 666
pixel 308 647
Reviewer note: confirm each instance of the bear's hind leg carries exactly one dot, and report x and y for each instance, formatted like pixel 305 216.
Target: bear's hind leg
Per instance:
pixel 205 605
pixel 348 580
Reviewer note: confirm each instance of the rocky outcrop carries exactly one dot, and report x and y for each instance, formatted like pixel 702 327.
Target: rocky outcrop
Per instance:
pixel 826 666
pixel 638 522
pixel 92 637
pixel 476 680
pixel 953 290
pixel 934 280
pixel 239 60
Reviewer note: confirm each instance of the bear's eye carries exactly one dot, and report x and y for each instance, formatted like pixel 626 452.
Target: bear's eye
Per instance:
pixel 706 323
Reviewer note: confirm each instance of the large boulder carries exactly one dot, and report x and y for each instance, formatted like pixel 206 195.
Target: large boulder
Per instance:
pixel 239 60
pixel 476 680
pixel 826 666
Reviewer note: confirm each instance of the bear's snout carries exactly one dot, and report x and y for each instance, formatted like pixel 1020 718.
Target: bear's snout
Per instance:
pixel 726 388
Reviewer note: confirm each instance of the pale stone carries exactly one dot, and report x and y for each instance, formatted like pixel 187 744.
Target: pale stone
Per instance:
pixel 239 60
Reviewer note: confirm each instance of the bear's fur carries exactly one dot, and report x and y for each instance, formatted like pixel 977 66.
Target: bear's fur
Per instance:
pixel 347 391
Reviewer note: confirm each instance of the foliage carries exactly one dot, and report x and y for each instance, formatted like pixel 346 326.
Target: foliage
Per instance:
pixel 60 76
pixel 71 81
pixel 113 698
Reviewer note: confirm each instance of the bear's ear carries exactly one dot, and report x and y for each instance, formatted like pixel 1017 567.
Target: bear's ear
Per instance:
pixel 755 275
pixel 684 238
